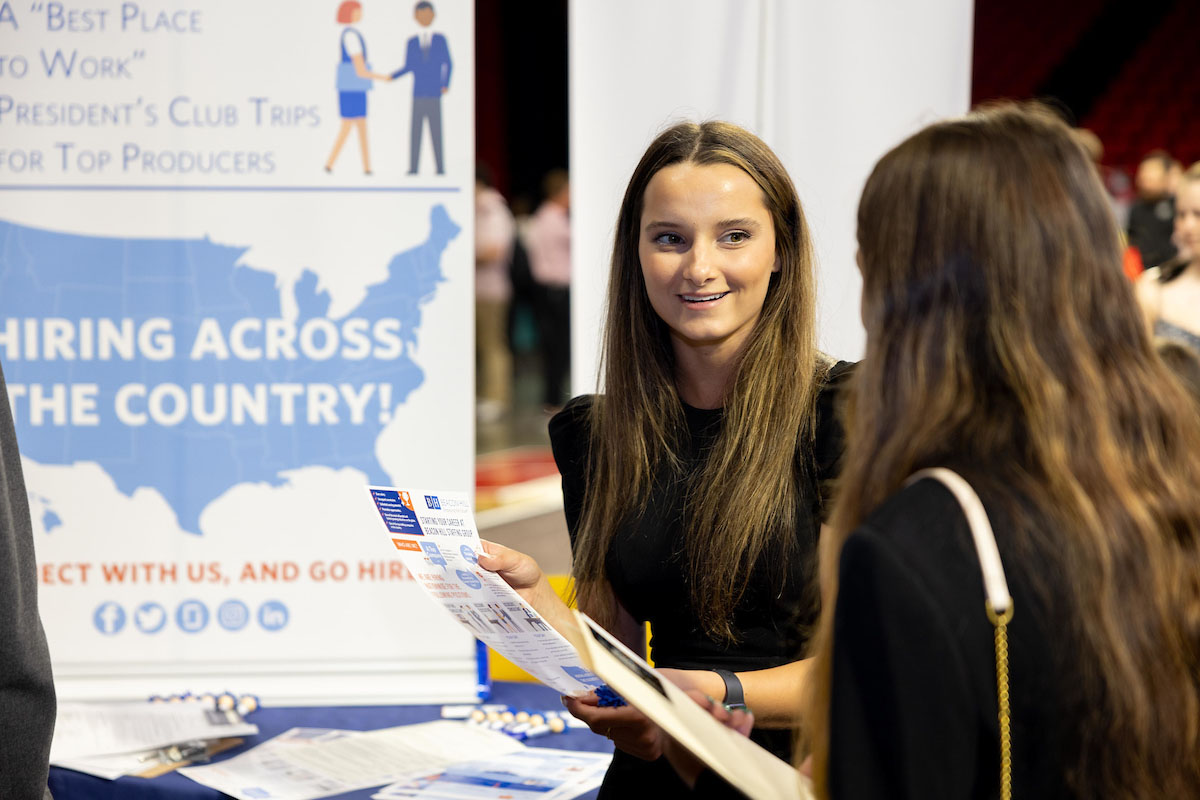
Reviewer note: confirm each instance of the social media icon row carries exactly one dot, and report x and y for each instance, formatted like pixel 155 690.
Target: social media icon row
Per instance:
pixel 191 616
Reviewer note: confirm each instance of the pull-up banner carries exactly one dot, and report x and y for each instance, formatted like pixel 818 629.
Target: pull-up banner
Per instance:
pixel 235 288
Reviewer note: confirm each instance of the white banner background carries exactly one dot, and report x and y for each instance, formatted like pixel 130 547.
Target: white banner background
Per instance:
pixel 256 79
pixel 829 86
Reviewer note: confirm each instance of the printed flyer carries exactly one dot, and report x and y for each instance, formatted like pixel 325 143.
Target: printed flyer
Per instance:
pixel 436 538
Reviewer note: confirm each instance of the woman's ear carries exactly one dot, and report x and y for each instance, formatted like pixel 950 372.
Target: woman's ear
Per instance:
pixel 777 265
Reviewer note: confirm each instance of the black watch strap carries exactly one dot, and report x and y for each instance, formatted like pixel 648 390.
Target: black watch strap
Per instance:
pixel 734 697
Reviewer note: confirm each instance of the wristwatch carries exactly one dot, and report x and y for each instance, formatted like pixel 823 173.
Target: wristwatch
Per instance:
pixel 734 697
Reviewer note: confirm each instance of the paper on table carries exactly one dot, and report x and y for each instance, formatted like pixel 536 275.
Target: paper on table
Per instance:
pixel 436 539
pixel 303 764
pixel 741 762
pixel 537 772
pixel 111 767
pixel 83 730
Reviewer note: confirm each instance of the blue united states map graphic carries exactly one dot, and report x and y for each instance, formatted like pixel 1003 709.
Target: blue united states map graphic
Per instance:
pixel 69 286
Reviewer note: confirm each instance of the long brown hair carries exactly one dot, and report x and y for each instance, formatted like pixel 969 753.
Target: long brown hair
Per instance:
pixel 1001 332
pixel 638 426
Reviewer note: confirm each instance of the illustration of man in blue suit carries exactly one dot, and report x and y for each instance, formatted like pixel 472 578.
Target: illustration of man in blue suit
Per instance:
pixel 428 59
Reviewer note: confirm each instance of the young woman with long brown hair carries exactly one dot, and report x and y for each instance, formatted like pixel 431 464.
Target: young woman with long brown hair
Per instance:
pixel 1003 342
pixel 693 484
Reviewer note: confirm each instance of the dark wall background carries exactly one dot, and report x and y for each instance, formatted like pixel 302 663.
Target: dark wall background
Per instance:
pixel 521 93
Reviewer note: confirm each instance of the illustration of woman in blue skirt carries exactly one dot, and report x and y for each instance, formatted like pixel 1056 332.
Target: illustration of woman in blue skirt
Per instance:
pixel 354 78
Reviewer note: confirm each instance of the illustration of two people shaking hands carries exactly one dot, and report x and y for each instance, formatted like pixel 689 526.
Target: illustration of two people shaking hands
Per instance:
pixel 427 58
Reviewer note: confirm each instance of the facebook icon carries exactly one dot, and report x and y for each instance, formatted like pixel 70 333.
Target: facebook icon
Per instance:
pixel 109 618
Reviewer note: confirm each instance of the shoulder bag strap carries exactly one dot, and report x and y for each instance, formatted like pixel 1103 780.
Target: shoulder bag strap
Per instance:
pixel 999 603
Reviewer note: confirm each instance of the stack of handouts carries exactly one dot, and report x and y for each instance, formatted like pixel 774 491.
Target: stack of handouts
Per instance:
pixel 424 760
pixel 114 739
pixel 534 773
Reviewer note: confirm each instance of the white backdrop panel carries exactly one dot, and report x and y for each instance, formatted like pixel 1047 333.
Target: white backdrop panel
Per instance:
pixel 829 86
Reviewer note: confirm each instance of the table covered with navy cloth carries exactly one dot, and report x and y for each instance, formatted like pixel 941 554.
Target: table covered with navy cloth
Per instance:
pixel 66 784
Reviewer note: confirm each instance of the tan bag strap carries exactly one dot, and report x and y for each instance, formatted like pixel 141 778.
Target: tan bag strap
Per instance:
pixel 998 603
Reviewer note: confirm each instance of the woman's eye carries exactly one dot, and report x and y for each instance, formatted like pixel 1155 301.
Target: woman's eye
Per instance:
pixel 668 238
pixel 737 237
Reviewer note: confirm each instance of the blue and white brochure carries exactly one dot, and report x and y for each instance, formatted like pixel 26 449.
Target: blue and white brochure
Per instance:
pixel 434 535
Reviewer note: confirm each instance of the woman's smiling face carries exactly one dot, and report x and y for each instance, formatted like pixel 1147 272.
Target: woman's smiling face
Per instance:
pixel 707 250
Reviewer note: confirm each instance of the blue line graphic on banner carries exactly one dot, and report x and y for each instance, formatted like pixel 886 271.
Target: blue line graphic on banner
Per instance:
pixel 168 362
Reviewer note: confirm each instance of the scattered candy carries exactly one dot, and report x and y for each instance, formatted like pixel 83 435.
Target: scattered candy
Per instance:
pixel 225 701
pixel 458 711
pixel 519 723
pixel 246 704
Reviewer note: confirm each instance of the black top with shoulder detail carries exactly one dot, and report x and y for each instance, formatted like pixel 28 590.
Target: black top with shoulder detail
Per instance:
pixel 646 562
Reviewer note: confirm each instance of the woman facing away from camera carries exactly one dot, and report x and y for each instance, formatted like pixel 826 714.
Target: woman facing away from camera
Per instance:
pixel 1170 294
pixel 693 485
pixel 1003 343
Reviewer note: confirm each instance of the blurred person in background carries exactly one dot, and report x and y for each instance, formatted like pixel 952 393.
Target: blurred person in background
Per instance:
pixel 1091 144
pixel 1174 176
pixel 548 242
pixel 1151 217
pixel 494 234
pixel 1170 294
pixel 523 306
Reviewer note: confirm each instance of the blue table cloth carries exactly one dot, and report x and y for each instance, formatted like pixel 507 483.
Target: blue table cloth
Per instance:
pixel 66 784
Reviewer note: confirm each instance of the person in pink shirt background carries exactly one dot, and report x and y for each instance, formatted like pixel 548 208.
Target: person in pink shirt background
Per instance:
pixel 548 240
pixel 494 232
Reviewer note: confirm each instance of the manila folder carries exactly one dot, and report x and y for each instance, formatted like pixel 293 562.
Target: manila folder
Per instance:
pixel 754 771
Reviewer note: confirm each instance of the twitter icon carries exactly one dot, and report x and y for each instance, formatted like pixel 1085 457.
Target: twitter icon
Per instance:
pixel 150 617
